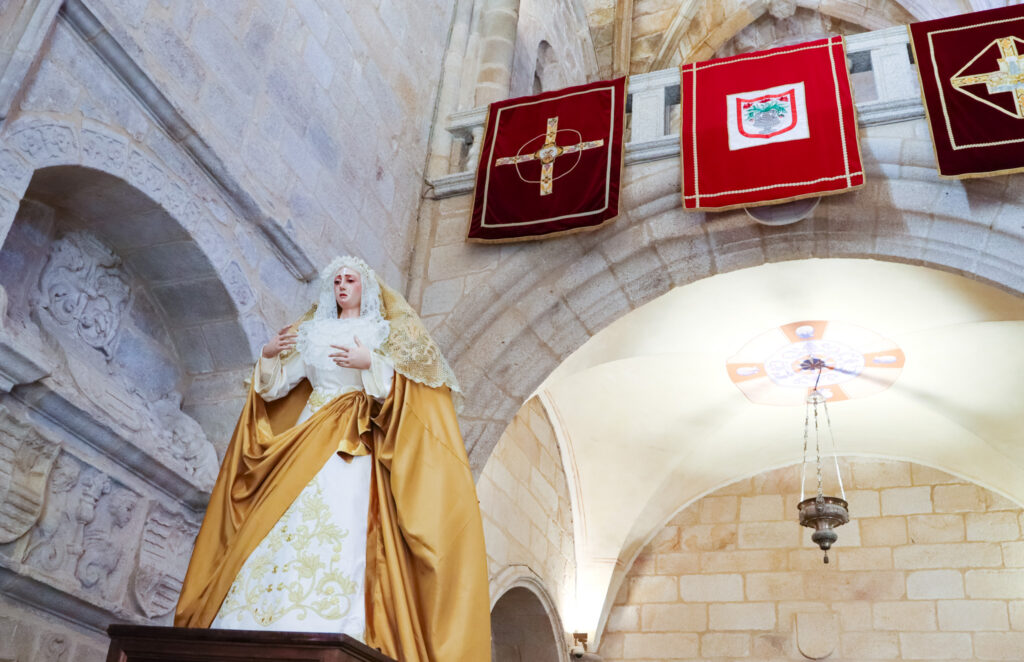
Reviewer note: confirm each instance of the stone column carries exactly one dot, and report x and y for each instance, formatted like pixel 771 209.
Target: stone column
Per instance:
pixel 623 38
pixel 22 30
pixel 499 23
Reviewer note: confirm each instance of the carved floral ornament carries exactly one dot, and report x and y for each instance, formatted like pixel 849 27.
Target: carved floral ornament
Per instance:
pixel 85 290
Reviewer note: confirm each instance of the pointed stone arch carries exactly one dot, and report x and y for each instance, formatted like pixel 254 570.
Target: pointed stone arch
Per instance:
pixel 525 624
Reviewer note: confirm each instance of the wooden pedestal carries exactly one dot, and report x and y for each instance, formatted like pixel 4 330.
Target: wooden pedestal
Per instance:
pixel 134 643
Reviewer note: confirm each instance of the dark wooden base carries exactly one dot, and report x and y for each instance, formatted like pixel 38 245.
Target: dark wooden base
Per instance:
pixel 134 643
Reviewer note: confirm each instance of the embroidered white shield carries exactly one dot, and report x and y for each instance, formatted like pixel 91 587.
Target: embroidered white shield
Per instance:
pixel 762 117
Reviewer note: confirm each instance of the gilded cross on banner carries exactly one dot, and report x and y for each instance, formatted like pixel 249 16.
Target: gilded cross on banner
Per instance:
pixel 1009 78
pixel 547 154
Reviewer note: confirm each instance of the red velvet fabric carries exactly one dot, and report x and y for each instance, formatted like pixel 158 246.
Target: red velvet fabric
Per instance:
pixel 507 201
pixel 963 126
pixel 828 161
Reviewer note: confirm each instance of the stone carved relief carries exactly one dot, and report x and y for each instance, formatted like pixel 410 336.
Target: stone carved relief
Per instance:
pixel 102 549
pixel 183 442
pixel 53 648
pixel 82 534
pixel 146 175
pixel 85 290
pixel 45 143
pixel 44 549
pixel 26 459
pixel 167 539
pixel 13 172
pixel 105 150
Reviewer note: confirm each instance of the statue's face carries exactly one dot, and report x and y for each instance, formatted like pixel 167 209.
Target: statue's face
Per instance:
pixel 348 290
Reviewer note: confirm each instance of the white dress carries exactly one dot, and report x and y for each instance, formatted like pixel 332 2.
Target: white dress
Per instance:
pixel 307 574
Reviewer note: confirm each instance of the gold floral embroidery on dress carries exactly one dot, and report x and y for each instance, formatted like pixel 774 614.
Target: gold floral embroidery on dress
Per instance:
pixel 310 583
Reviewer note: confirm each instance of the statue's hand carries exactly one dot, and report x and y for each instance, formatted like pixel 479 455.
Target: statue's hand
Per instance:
pixel 284 340
pixel 357 357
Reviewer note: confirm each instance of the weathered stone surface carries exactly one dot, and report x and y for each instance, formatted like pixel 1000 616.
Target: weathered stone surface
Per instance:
pixel 26 458
pixel 166 545
pixel 85 290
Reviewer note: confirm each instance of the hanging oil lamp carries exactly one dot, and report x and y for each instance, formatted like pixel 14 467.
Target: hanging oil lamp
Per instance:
pixel 821 513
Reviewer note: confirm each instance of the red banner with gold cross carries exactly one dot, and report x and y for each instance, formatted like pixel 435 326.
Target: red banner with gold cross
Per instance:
pixel 972 83
pixel 550 164
pixel 767 127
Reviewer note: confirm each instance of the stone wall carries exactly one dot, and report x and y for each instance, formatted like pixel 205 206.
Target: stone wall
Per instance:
pixel 929 568
pixel 321 109
pixel 524 500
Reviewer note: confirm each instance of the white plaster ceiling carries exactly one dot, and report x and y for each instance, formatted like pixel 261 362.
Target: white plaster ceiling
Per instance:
pixel 649 419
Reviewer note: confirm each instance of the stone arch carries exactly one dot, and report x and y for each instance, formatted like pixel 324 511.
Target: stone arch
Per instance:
pixel 546 73
pixel 509 343
pixel 524 622
pixel 35 142
pixel 214 258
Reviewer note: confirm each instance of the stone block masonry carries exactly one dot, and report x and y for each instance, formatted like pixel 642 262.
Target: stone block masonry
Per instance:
pixel 935 574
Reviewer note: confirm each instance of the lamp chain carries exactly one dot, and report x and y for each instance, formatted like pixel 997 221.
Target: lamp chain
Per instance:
pixel 817 434
pixel 803 465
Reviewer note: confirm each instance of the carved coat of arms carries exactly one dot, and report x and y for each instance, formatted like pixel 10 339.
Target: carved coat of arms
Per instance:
pixel 167 540
pixel 25 463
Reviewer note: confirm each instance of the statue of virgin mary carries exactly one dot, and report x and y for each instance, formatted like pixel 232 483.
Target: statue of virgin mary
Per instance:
pixel 345 502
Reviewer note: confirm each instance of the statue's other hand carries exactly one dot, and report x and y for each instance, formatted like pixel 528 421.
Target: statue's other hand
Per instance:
pixel 283 341
pixel 357 357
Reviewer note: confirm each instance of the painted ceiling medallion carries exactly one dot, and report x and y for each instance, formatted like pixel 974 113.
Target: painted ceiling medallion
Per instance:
pixel 780 366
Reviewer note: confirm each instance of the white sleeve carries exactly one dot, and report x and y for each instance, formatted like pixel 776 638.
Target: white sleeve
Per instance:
pixel 378 377
pixel 274 378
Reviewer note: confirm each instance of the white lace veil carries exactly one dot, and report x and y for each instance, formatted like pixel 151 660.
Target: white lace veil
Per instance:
pixel 369 306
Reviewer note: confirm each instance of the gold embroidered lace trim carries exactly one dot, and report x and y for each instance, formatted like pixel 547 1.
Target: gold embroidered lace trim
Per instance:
pixel 410 347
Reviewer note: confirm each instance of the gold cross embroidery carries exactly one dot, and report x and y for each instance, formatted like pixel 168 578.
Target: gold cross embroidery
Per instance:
pixel 547 154
pixel 1009 78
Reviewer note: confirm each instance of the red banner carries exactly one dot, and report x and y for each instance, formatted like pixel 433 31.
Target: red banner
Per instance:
pixel 972 82
pixel 550 164
pixel 767 127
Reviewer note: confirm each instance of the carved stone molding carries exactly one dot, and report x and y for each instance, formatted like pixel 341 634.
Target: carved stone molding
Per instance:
pixel 16 366
pixel 84 427
pixel 45 143
pixel 104 149
pixel 26 458
pixel 85 290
